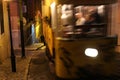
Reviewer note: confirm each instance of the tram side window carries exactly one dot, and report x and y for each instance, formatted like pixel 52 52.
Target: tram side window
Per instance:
pixel 81 20
pixel 90 17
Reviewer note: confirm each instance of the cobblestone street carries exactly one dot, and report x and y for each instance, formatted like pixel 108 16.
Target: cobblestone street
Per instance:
pixel 39 68
pixel 34 67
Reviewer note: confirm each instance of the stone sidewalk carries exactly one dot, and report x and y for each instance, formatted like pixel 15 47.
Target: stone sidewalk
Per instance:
pixel 40 68
pixel 34 67
pixel 21 69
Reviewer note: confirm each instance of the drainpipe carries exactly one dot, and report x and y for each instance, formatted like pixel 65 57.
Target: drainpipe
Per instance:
pixel 13 62
pixel 21 28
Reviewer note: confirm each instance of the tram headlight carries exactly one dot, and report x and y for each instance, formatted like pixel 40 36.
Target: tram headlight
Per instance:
pixel 91 52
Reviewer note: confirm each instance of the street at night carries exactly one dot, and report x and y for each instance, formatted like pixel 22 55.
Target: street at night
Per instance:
pixel 59 40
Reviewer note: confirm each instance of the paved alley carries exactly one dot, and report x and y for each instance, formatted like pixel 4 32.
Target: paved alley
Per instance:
pixel 35 66
pixel 39 67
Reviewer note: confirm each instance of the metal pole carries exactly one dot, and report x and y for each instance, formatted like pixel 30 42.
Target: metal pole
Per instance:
pixel 21 29
pixel 13 62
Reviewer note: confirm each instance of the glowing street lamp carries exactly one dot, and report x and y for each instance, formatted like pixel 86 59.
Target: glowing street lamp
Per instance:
pixel 13 62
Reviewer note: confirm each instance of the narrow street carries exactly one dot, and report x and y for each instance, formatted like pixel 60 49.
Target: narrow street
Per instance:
pixel 35 66
pixel 40 68
pixel 59 40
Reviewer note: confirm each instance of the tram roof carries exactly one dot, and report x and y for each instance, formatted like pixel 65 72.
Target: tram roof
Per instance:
pixel 87 2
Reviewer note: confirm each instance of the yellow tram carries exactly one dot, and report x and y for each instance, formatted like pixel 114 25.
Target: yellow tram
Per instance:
pixel 77 39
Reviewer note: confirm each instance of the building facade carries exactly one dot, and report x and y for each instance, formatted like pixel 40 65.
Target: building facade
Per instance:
pixel 4 36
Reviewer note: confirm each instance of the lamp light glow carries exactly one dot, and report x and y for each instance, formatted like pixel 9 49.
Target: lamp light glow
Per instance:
pixel 7 0
pixel 91 52
pixel 52 5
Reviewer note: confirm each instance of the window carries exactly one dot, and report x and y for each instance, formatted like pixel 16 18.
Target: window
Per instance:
pixel 82 21
pixel 1 18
